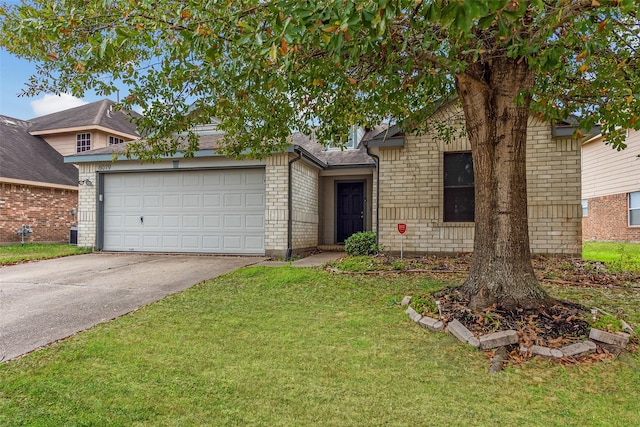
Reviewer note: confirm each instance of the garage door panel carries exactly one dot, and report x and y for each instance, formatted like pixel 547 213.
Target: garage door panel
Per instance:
pixel 133 201
pixel 170 200
pixel 211 200
pixel 151 242
pixel 152 181
pixel 211 221
pixel 254 221
pixel 254 200
pixel 233 221
pixel 211 243
pixel 170 221
pixel 191 201
pixel 231 243
pixel 170 242
pixel 254 243
pixel 232 200
pixel 232 179
pixel 190 221
pixel 151 221
pixel 152 201
pixel 171 180
pixel 215 211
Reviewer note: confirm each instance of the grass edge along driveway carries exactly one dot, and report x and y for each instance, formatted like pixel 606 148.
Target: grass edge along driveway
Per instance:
pixel 288 346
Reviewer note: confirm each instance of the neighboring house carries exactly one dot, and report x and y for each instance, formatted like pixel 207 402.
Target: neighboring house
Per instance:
pixel 85 128
pixel 611 190
pixel 310 197
pixel 37 187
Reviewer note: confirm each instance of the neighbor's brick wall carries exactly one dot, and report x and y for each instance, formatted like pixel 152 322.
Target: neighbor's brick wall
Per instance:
pixel 276 210
pixel 47 210
pixel 305 206
pixel 87 195
pixel 608 219
pixel 411 191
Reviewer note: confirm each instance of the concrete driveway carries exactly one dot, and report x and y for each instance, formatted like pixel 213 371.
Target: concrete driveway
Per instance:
pixel 45 301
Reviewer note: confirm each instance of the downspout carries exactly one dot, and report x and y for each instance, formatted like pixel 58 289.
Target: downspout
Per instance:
pixel 290 203
pixel 376 159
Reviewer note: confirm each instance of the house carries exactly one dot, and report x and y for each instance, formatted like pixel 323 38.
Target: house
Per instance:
pixel 611 190
pixel 84 128
pixel 311 197
pixel 37 188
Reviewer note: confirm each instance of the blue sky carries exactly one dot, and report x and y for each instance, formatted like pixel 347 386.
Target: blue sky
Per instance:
pixel 14 74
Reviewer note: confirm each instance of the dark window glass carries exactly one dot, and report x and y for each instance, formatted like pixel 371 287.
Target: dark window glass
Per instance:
pixel 459 197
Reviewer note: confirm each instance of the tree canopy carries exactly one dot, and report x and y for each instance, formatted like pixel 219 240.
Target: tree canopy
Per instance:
pixel 267 68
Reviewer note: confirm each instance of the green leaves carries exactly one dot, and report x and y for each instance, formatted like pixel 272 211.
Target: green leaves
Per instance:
pixel 296 62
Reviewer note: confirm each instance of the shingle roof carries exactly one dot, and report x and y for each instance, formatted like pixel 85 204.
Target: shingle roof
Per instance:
pixel 27 157
pixel 98 113
pixel 330 158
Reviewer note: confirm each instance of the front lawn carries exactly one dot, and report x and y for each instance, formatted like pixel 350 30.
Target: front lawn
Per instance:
pixel 617 255
pixel 13 254
pixel 300 347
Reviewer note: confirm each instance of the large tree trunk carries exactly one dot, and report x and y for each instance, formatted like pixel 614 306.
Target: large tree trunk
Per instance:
pixel 501 270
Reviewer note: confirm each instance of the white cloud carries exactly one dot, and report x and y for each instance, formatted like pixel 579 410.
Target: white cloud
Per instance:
pixel 50 103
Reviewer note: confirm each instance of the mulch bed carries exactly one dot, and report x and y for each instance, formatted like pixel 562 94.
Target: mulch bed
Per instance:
pixel 554 327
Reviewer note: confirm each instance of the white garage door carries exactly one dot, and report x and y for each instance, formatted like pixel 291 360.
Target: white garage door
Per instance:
pixel 213 211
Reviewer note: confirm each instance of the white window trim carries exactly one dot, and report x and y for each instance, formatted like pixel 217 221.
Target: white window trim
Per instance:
pixel 115 138
pixel 629 209
pixel 81 138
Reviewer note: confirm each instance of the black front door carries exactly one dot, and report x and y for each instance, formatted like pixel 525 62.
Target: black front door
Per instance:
pixel 349 209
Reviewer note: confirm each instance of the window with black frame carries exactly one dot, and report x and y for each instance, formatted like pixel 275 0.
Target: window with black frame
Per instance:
pixel 459 197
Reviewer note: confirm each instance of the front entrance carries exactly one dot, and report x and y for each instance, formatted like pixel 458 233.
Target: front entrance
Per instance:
pixel 350 208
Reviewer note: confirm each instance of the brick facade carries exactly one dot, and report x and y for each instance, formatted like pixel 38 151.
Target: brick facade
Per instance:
pixel 87 199
pixel 46 209
pixel 608 219
pixel 411 192
pixel 305 206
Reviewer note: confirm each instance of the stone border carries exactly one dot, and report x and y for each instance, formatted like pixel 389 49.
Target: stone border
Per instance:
pixel 510 337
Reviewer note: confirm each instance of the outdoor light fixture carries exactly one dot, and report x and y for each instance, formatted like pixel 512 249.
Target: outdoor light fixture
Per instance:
pixel 439 308
pixel 85 182
pixel 594 314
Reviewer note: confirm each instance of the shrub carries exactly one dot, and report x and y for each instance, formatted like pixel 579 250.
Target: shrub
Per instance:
pixel 362 243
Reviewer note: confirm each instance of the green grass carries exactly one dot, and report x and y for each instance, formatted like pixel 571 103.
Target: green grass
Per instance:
pixel 34 251
pixel 618 255
pixel 300 347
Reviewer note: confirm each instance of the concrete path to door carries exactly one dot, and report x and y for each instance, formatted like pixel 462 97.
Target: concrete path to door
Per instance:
pixel 45 301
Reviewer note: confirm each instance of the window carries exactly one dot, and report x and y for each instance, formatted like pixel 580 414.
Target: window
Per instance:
pixel 115 140
pixel 83 142
pixel 459 197
pixel 634 208
pixel 585 208
pixel 353 139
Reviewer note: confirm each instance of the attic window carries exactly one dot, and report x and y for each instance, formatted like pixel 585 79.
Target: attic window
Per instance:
pixel 115 140
pixel 355 135
pixel 83 142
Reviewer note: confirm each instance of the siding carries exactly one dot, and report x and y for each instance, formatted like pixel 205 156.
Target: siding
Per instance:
pixel 606 171
pixel 65 143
